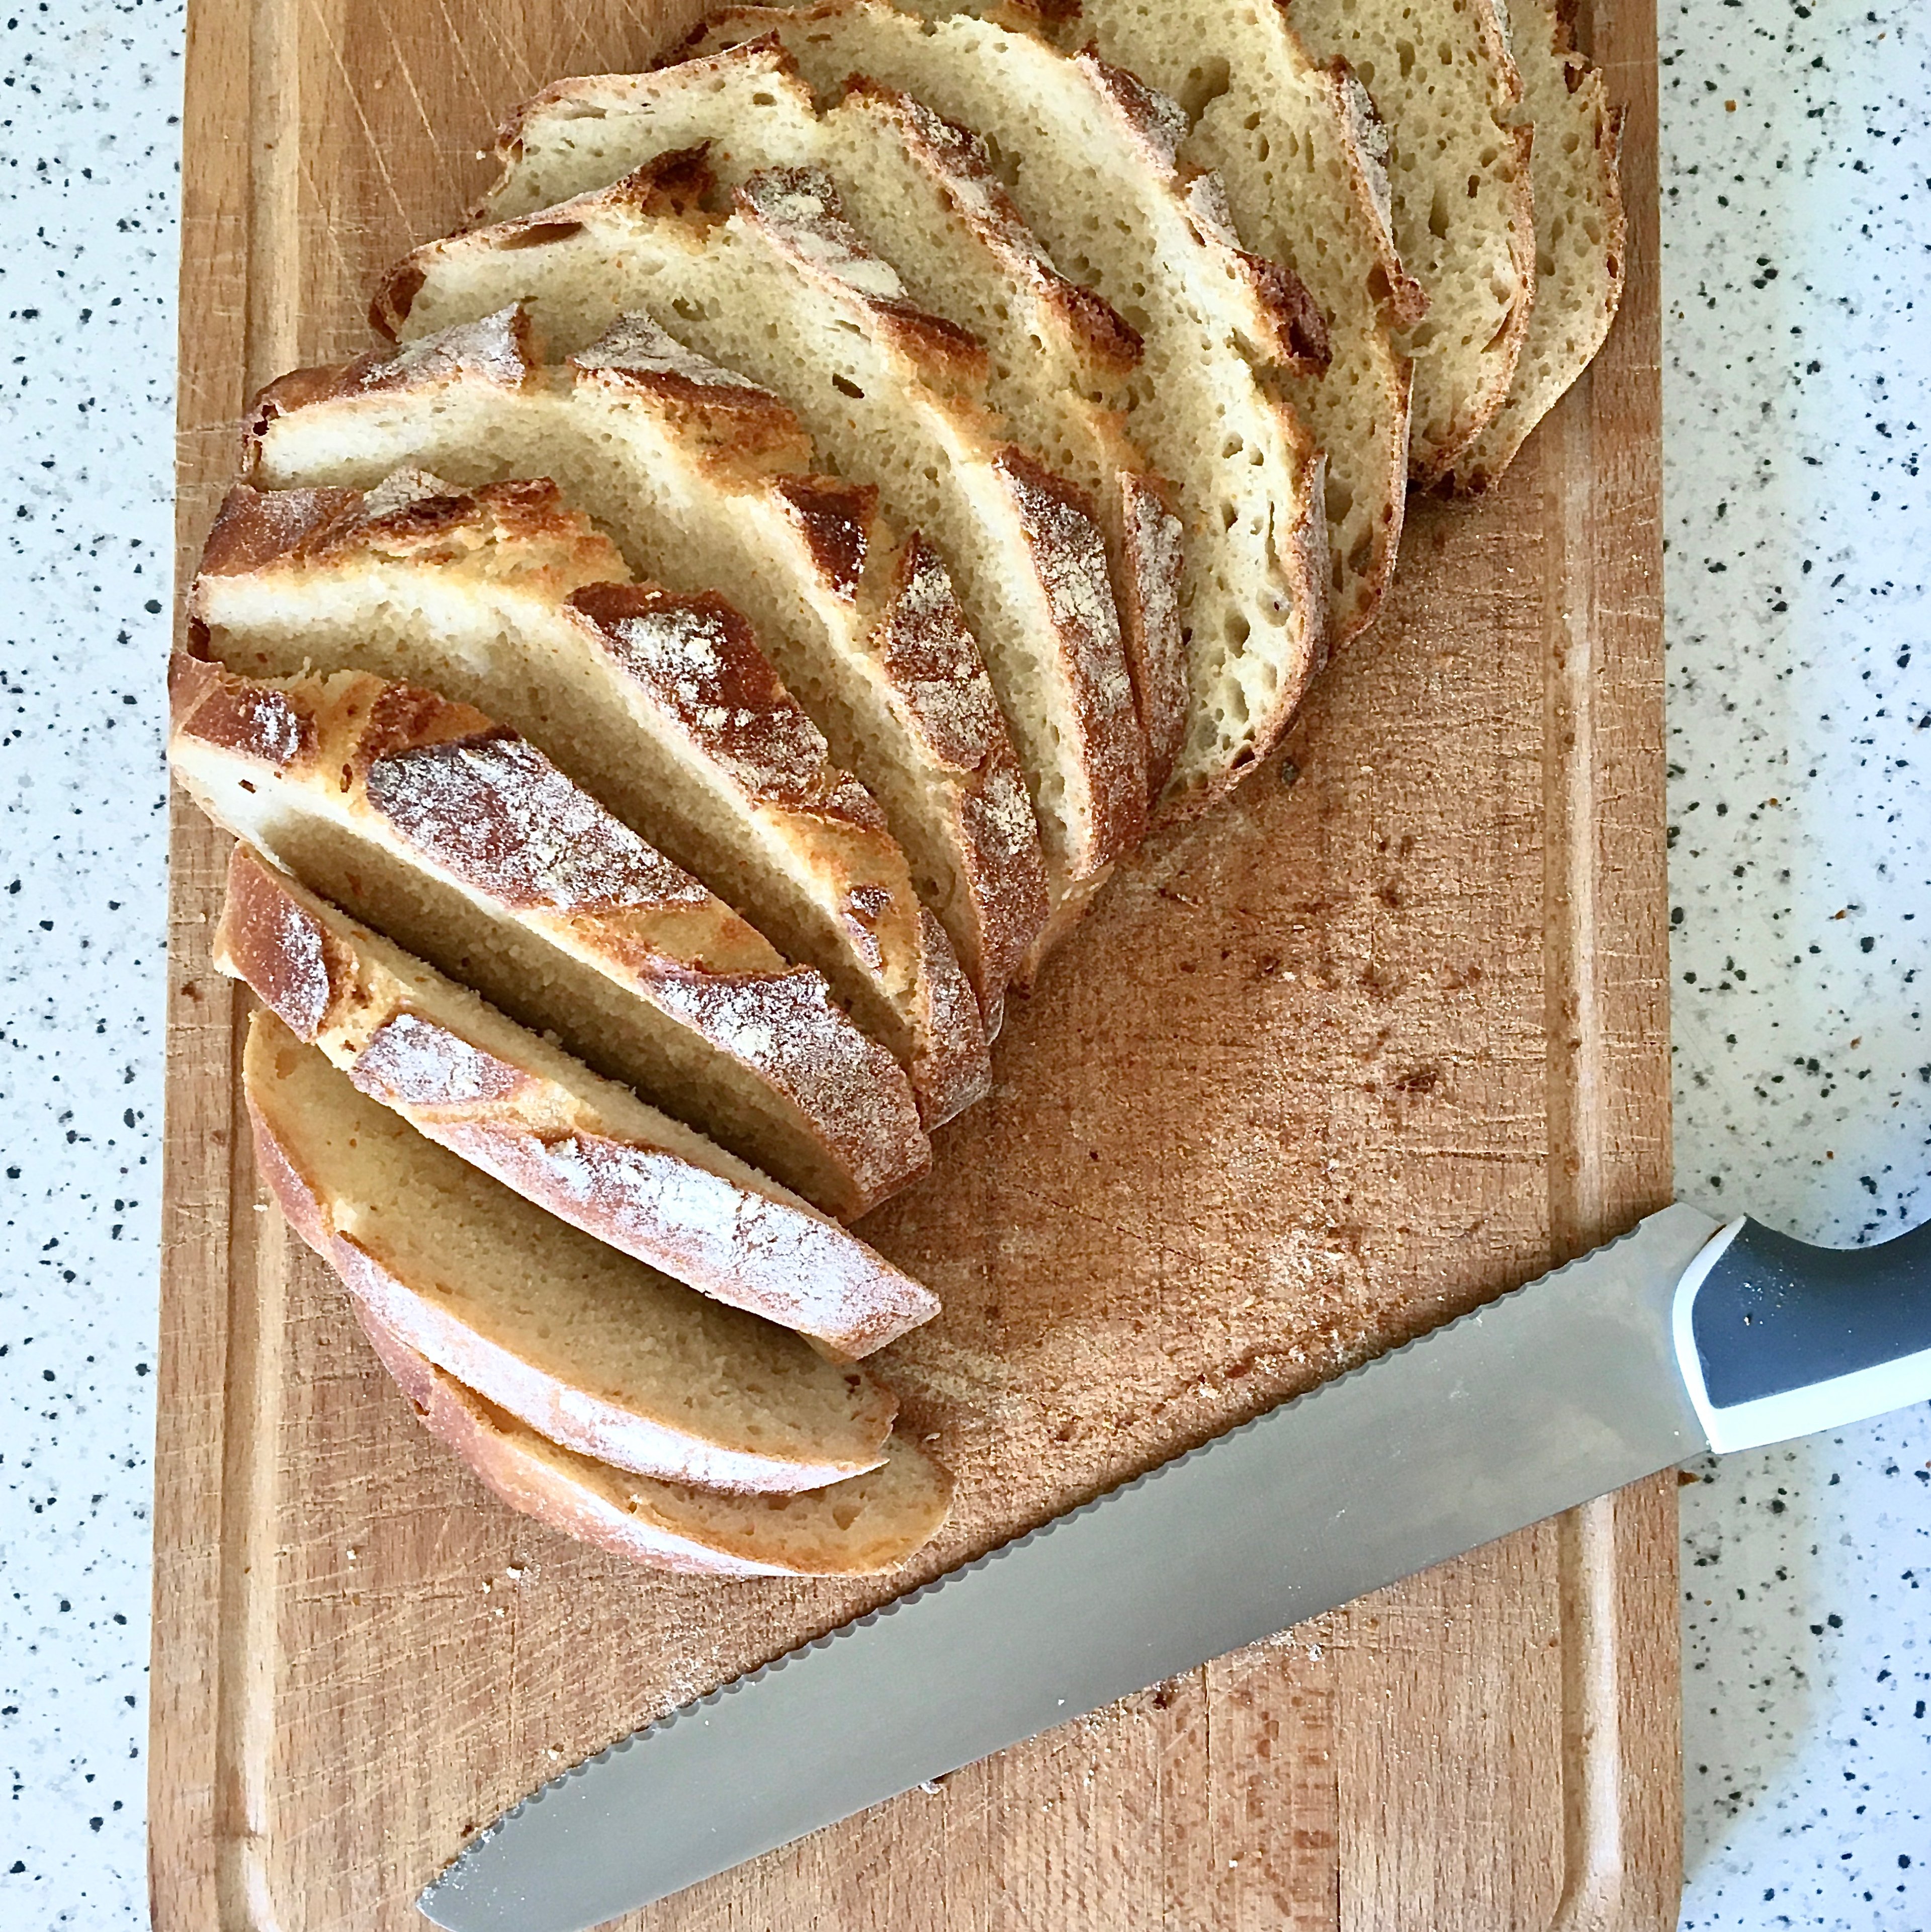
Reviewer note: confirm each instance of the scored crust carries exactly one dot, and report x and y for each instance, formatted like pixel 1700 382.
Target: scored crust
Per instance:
pixel 925 195
pixel 864 1526
pixel 697 657
pixel 660 704
pixel 522 528
pixel 584 1149
pixel 348 780
pixel 783 289
pixel 766 1412
pixel 1090 158
pixel 702 476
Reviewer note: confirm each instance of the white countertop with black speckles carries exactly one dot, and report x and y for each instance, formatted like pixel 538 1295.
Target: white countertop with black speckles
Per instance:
pixel 1797 341
pixel 1797 230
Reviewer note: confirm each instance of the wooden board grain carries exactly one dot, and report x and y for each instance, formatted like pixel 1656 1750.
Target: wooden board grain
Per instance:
pixel 1386 1035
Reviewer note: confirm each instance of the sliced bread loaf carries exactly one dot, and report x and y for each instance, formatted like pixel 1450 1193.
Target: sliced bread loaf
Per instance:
pixel 703 478
pixel 1579 229
pixel 785 291
pixel 593 1349
pixel 584 1148
pixel 659 704
pixel 1442 81
pixel 1302 156
pixel 1090 159
pixel 461 841
pixel 924 194
pixel 861 1527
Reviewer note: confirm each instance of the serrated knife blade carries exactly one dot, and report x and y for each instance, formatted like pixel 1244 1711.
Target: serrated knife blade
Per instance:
pixel 1588 1378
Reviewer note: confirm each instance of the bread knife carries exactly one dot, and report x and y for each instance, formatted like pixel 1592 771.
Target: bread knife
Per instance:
pixel 1684 1335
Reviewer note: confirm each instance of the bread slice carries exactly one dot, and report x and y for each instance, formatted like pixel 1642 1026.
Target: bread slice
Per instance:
pixel 597 1352
pixel 784 291
pixel 924 194
pixel 584 1149
pixel 1580 231
pixel 459 841
pixel 1089 158
pixel 1302 156
pixel 703 478
pixel 863 1526
pixel 1442 81
pixel 661 705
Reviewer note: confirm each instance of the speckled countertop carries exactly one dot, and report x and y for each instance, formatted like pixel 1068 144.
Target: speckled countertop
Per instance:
pixel 1797 333
pixel 1796 231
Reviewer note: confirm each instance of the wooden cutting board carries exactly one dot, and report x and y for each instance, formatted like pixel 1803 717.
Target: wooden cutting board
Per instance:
pixel 1386 1035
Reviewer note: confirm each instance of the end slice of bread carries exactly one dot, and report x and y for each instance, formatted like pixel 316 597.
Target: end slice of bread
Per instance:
pixel 583 1148
pixel 459 841
pixel 1580 237
pixel 924 194
pixel 1090 159
pixel 784 291
pixel 589 1347
pixel 1443 84
pixel 864 1526
pixel 659 703
pixel 703 478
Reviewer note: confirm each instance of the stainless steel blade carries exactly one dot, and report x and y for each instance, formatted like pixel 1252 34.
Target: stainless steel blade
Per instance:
pixel 1558 1392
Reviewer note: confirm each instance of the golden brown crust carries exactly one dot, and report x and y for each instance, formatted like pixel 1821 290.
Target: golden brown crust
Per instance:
pixel 477 806
pixel 414 518
pixel 418 1312
pixel 700 663
pixel 253 721
pixel 1300 340
pixel 568 1401
pixel 299 969
pixel 960 165
pixel 745 426
pixel 928 654
pixel 686 1210
pixel 835 520
pixel 676 183
pixel 797 212
pixel 667 1526
pixel 692 666
pixel 1155 559
pixel 1403 301
pixel 699 659
pixel 1286 322
pixel 252 527
pixel 1069 554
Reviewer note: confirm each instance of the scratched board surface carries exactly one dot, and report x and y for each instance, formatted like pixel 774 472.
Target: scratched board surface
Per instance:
pixel 1385 1036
